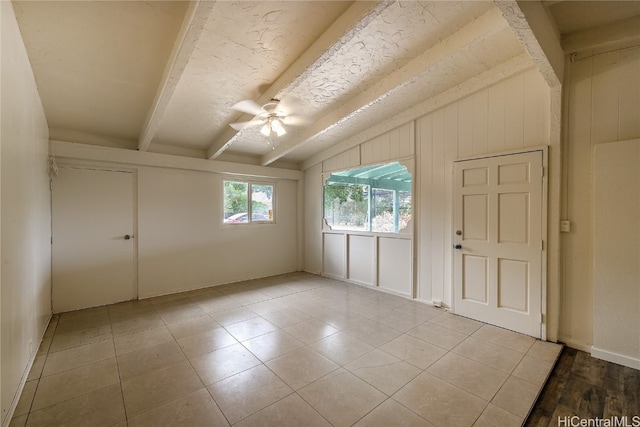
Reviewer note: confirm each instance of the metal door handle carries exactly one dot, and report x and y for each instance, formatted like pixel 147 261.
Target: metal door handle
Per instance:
pixel 457 246
pixel 127 237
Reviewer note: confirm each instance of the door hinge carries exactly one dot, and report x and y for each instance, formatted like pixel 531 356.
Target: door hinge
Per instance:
pixel 542 171
pixel 52 240
pixel 542 245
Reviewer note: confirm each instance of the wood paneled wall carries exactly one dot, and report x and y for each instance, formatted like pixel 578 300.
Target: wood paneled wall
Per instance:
pixel 603 105
pixel 510 115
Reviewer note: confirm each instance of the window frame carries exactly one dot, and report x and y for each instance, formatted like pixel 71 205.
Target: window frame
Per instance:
pixel 250 183
pixel 372 185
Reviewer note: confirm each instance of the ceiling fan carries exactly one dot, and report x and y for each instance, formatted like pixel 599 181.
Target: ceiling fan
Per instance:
pixel 272 116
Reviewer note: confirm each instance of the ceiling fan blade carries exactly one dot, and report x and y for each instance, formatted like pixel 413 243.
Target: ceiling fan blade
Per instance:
pixel 292 104
pixel 248 106
pixel 296 120
pixel 250 123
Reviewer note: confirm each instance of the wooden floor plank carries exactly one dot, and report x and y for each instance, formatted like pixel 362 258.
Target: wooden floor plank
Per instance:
pixel 588 388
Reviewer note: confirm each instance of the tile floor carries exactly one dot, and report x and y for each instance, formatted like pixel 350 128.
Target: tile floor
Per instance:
pixel 291 350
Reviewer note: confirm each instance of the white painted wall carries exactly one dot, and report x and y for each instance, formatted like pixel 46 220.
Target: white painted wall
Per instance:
pixel 509 115
pixel 25 284
pixel 616 253
pixel 602 105
pixel 182 243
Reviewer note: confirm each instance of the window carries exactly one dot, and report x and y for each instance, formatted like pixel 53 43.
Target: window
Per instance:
pixel 246 202
pixel 375 198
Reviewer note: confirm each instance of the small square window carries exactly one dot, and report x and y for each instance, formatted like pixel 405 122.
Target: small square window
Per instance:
pixel 246 202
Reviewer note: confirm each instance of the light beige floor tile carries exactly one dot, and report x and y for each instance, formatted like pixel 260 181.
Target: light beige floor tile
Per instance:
pixel 81 320
pixel 496 356
pixel 37 367
pixel 141 339
pixel 516 396
pixel 78 356
pixel 291 411
pixel 373 333
pixel 194 409
pixel 103 407
pixel 457 323
pixel 310 330
pixel 415 351
pixel 194 326
pixel 78 338
pixel 438 335
pixel 26 398
pixel 286 317
pixel 216 304
pixel 383 371
pixel 399 321
pixel 272 345
pixel 156 388
pixel 179 310
pixel 43 348
pixel 223 363
pixel 143 306
pixel 248 392
pixel 420 310
pixel 126 324
pixel 301 367
pixel 148 359
pixel 341 397
pixel 341 319
pixel 546 351
pixel 83 314
pixel 206 342
pixel 440 402
pixel 505 338
pixel 76 382
pixel 18 421
pixel 251 328
pixel 476 378
pixel 533 370
pixel 235 315
pixel 269 306
pixel 391 413
pixel 342 348
pixel 494 416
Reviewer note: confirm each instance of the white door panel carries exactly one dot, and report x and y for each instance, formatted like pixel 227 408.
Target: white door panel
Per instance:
pixel 498 241
pixel 92 262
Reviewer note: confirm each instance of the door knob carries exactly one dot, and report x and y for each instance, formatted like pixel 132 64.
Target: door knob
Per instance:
pixel 127 237
pixel 458 246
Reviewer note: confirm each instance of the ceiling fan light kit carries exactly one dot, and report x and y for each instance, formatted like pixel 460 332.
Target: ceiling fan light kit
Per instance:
pixel 271 116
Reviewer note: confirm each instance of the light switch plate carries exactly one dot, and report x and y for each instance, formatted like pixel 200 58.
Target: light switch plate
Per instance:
pixel 565 226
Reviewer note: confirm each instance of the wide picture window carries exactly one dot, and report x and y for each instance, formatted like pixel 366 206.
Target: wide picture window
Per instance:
pixel 374 198
pixel 247 202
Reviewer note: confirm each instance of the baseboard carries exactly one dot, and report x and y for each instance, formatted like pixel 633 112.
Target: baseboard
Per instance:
pixel 620 359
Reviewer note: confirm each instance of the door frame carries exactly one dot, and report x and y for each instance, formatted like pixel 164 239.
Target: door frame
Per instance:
pixel 544 150
pixel 134 174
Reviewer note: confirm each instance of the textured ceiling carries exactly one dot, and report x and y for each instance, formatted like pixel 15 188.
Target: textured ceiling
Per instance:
pixel 163 76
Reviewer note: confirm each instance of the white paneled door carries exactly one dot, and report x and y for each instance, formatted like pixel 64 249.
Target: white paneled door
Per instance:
pixel 498 240
pixel 93 241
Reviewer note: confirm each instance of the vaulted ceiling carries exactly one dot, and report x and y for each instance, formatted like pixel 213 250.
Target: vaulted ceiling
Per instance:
pixel 163 76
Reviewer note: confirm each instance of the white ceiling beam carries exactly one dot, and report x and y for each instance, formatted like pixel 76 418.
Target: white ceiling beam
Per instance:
pixel 357 16
pixel 601 36
pixel 489 23
pixel 193 23
pixel 478 82
pixel 538 35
